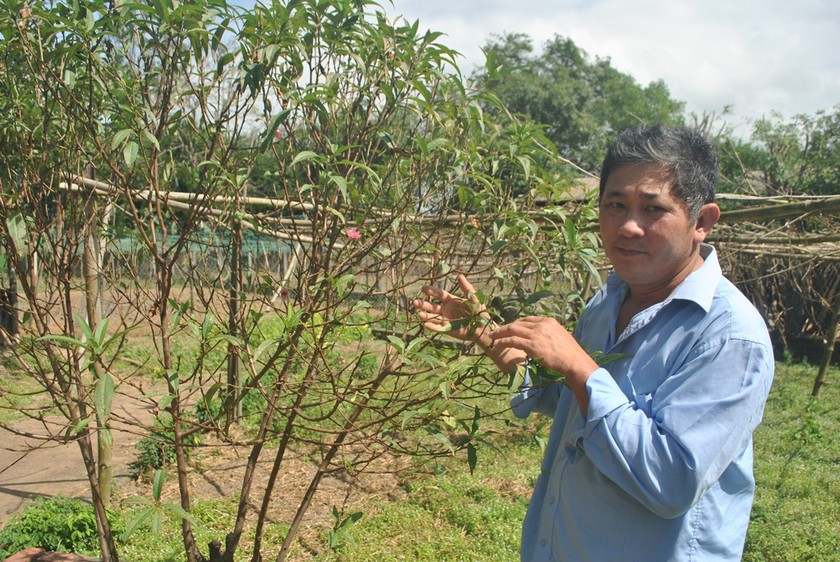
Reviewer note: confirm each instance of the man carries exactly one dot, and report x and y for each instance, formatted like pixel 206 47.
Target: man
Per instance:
pixel 650 455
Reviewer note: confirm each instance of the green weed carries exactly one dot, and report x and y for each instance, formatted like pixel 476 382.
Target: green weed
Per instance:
pixel 54 524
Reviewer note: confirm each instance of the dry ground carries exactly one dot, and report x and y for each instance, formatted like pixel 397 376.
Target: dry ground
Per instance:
pixel 31 468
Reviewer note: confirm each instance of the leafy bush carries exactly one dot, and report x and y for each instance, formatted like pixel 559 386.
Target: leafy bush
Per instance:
pixel 156 449
pixel 55 524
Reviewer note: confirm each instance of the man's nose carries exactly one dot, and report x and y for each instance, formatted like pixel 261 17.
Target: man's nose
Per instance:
pixel 631 227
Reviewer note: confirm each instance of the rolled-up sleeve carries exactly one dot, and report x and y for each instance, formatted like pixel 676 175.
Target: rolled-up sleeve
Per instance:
pixel 668 447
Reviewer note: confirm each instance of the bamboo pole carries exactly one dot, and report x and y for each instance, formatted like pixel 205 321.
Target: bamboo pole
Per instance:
pixel 823 206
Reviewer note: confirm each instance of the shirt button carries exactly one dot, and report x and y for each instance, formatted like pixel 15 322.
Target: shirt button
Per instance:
pixel 551 500
pixel 542 543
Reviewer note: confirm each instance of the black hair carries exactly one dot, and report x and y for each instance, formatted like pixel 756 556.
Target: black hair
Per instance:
pixel 685 154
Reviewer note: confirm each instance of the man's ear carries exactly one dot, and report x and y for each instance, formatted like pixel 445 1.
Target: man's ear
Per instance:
pixel 708 217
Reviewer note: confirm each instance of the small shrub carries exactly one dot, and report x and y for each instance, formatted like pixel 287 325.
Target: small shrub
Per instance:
pixel 54 524
pixel 156 450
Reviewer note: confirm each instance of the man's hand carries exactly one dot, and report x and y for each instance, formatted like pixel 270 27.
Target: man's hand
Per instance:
pixel 465 319
pixel 453 315
pixel 552 346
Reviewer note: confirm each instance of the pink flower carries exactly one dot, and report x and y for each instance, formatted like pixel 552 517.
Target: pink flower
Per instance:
pixel 353 234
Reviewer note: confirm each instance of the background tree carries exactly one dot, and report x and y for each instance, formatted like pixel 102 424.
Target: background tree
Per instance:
pixel 798 156
pixel 793 162
pixel 582 103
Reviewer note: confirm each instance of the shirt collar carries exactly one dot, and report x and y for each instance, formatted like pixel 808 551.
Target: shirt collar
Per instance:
pixel 701 285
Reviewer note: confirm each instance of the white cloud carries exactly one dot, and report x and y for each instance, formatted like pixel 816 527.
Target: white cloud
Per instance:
pixel 756 55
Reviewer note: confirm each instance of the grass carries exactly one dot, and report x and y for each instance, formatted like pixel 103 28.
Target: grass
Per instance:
pixel 455 515
pixel 796 514
pixel 20 394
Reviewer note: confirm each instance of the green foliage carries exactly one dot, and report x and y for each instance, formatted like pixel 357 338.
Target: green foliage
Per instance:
pixel 456 515
pixel 156 450
pixel 54 524
pixel 348 122
pixel 580 102
pixel 340 532
pixel 212 517
pixel 797 156
pixel 152 515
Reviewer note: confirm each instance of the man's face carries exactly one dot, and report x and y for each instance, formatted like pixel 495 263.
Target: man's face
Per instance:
pixel 646 231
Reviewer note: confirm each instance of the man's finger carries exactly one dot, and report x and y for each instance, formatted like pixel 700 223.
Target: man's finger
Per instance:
pixel 467 288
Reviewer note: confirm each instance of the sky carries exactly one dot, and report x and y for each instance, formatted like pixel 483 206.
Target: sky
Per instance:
pixel 756 56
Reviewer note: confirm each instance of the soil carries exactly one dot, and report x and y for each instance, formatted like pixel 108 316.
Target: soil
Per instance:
pixel 31 467
pixel 34 464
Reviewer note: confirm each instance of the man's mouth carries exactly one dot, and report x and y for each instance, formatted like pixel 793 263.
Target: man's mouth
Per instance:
pixel 628 251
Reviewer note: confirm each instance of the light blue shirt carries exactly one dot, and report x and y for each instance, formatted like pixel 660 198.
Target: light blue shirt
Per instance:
pixel 661 468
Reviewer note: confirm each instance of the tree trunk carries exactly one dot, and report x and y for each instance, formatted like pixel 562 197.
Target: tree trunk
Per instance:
pixel 233 406
pixel 828 350
pixel 106 537
pixel 93 305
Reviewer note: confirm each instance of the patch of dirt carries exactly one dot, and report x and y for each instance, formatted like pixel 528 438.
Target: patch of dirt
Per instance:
pixel 34 462
pixel 219 468
pixel 32 467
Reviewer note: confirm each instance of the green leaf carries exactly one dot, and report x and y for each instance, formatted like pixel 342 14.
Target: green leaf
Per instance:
pixel 80 425
pixel 87 332
pixel 156 520
pixel 232 340
pixel 104 397
pixel 396 342
pixel 472 457
pixel 120 137
pixel 152 139
pixel 476 421
pixel 350 519
pixel 211 392
pixel 157 484
pixel 444 389
pixel 538 296
pixel 63 341
pixel 526 165
pixel 130 151
pixel 208 325
pixel 180 512
pixel 16 225
pixel 264 346
pixel 142 516
pixel 278 120
pixel 98 337
pixel 342 186
pixel 304 156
